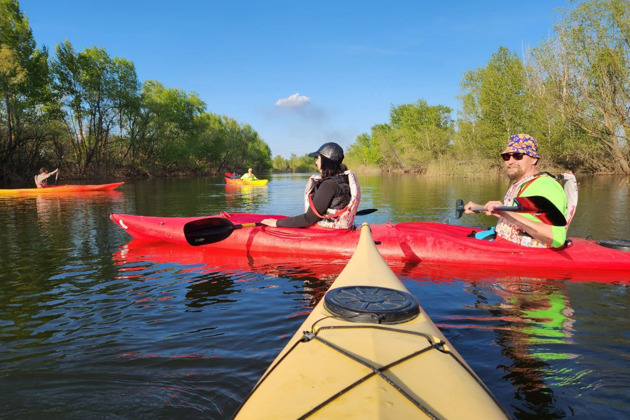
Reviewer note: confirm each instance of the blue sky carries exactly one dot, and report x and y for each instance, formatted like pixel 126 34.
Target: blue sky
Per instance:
pixel 300 73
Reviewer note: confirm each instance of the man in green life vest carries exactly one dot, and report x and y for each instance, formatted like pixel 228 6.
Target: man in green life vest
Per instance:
pixel 521 159
pixel 249 176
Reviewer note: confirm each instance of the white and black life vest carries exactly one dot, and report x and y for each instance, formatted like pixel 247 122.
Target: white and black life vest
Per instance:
pixel 341 213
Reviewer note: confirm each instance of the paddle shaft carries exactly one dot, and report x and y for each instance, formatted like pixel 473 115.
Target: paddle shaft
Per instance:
pixel 481 209
pixel 198 233
pixel 216 229
pixel 540 206
pixel 211 230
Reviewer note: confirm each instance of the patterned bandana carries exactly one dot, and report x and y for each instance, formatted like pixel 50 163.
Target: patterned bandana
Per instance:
pixel 522 143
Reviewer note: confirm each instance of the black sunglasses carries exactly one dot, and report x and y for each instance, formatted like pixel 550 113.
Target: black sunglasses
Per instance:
pixel 516 156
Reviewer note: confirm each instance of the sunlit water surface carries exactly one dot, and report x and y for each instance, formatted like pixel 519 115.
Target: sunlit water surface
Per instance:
pixel 94 325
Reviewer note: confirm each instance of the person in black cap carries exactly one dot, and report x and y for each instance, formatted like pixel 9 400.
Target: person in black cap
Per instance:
pixel 332 198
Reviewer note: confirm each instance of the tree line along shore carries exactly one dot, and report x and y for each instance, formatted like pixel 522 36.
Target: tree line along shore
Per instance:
pixel 88 114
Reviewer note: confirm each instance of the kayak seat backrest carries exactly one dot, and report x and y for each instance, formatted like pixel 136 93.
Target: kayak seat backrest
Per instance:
pixel 569 184
pixel 571 191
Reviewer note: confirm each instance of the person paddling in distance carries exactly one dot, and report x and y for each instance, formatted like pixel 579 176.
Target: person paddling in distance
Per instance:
pixel 249 176
pixel 41 180
pixel 521 160
pixel 330 199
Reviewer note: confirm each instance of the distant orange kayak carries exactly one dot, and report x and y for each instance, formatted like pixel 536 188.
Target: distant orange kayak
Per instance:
pixel 62 189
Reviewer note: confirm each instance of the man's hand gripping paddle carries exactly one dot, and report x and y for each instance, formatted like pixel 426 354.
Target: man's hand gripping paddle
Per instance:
pixel 539 206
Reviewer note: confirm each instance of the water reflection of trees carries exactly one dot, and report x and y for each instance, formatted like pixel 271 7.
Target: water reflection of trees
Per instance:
pixel 217 272
pixel 210 289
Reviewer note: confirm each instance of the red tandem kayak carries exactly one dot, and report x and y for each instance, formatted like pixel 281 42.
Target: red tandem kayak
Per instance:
pixel 63 189
pixel 412 242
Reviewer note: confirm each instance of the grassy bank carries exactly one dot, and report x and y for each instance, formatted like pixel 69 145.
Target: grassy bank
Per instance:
pixel 471 168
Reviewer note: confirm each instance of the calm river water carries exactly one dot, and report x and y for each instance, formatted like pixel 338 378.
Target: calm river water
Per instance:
pixel 94 325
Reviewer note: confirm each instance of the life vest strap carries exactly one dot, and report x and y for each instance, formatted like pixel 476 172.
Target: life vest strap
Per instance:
pixel 326 216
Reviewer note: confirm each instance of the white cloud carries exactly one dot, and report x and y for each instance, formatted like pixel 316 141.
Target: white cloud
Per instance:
pixel 293 101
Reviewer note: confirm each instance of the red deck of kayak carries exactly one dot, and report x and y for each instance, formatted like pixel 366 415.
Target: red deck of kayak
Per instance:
pixel 414 242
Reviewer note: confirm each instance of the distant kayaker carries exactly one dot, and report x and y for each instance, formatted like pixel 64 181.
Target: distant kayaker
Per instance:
pixel 41 180
pixel 330 199
pixel 521 160
pixel 249 176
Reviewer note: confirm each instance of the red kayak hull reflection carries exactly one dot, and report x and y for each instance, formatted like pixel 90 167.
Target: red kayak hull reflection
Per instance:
pixel 207 258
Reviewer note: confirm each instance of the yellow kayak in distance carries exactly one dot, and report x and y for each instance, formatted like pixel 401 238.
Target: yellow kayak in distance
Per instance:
pixel 369 351
pixel 238 181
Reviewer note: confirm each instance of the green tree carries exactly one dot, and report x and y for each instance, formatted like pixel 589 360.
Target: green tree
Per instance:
pixel 125 91
pixel 243 147
pixel 24 93
pixel 280 164
pixel 494 104
pixel 424 131
pixel 364 152
pixel 168 127
pixel 98 94
pixel 585 68
pixel 302 164
pixel 416 134
pixel 172 132
pixel 210 148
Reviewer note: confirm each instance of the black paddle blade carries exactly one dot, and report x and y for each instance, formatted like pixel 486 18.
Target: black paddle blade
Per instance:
pixel 208 230
pixel 459 208
pixel 544 209
pixel 366 211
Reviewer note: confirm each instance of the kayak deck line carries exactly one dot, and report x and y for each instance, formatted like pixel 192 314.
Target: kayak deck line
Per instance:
pixel 380 370
pixel 369 355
